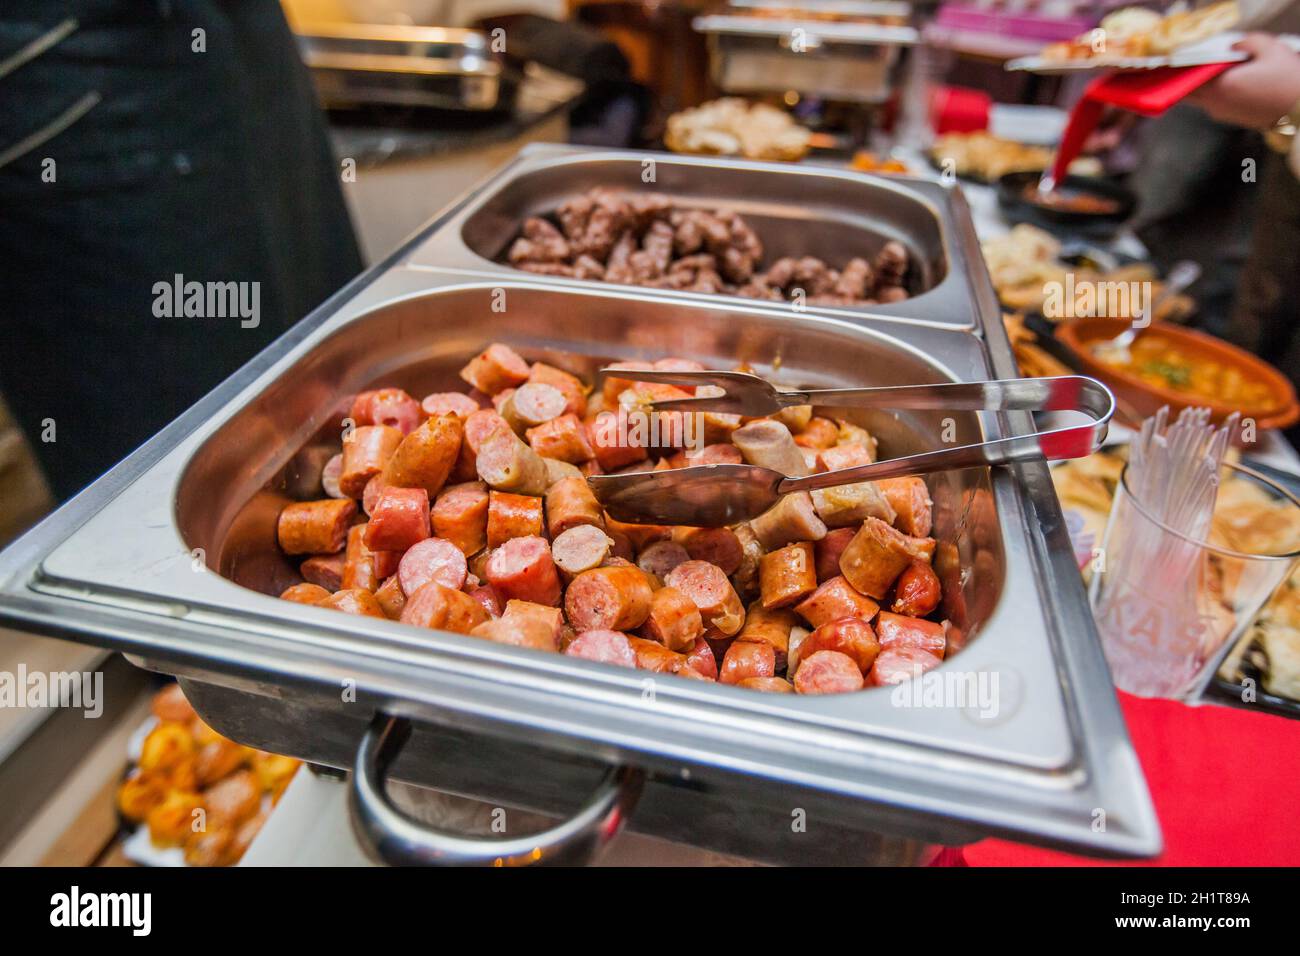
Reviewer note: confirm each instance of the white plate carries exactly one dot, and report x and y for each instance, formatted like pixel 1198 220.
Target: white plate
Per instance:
pixel 1215 49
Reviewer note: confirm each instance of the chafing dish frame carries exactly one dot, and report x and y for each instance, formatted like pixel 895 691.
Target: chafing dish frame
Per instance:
pixel 113 568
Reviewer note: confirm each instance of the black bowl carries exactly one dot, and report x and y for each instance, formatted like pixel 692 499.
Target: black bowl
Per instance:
pixel 1018 208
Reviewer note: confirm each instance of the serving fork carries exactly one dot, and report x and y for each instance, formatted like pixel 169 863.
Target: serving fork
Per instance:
pixel 719 494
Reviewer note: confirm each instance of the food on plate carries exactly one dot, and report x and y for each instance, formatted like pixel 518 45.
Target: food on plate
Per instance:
pixel 542 566
pixel 1159 360
pixel 1245 519
pixel 1134 32
pixel 981 155
pixel 865 161
pixel 645 240
pixel 1067 200
pixel 734 127
pixel 197 790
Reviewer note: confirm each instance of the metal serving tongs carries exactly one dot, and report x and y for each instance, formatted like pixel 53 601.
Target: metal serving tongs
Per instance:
pixel 720 494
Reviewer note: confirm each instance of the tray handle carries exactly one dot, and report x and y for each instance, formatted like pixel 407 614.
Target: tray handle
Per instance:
pixel 390 836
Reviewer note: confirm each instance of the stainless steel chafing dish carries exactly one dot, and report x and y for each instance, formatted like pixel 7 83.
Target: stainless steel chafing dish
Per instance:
pixel 842 51
pixel 171 558
pixel 354 64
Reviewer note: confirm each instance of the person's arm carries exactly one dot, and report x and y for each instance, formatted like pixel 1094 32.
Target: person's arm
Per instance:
pixel 1260 92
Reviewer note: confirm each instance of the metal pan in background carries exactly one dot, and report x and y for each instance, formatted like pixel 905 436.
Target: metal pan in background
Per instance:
pixel 796 210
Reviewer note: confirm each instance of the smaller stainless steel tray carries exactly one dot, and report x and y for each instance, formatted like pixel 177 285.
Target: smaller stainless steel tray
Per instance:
pixel 796 209
pixel 359 64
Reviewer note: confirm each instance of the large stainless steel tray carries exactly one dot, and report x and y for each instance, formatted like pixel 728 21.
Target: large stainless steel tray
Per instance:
pixel 148 560
pixel 795 209
pixel 354 64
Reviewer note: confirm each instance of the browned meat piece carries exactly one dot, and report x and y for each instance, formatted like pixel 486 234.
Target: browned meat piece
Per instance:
pixel 693 264
pixel 541 242
pixel 574 215
pixel 648 209
pixel 610 216
pixel 616 267
pixel 658 243
pixel 891 264
pixel 891 293
pixel 688 233
pixel 856 279
pixel 546 268
pixel 707 280
pixel 737 266
pixel 745 239
pixel 588 268
pixel 781 272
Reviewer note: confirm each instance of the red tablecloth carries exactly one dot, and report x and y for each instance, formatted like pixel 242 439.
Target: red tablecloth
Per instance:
pixel 1225 782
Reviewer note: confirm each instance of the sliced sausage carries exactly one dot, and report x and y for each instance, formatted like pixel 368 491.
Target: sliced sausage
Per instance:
pixel 745 659
pixel 363 568
pixel 612 441
pixel 433 559
pixel 460 515
pixel 818 433
pixel 552 617
pixel 365 452
pixel 798 637
pixel 769 444
pixel 353 601
pixel 844 506
pixel 745 577
pixel 487 596
pixel 391 599
pixel 711 590
pixel 564 439
pixel 834 599
pixel 610 598
pixel 557 471
pixel 653 656
pixel 531 404
pixel 718 546
pixel 793 518
pixel 774 685
pixel 580 548
pixel 639 536
pixel 849 635
pixel 917 591
pixel 518 632
pixel 843 456
pixel 794 417
pixel 443 609
pixel 699 658
pixel 513 516
pixel 660 557
pixel 570 503
pixel 875 558
pixel 496 368
pixel 674 620
pixel 570 386
pixel 608 647
pixel 613 384
pixel 899 630
pixel 828 672
pixel 507 464
pixel 306 593
pixel 827 552
pixel 425 457
pixel 910 498
pixel 325 570
pixel 901 663
pixel 449 403
pixel 770 626
pixel 522 568
pixel 387 406
pixel 719 453
pixel 315 527
pixel 787 575
pixel 370 497
pixel 400 519
pixel 329 477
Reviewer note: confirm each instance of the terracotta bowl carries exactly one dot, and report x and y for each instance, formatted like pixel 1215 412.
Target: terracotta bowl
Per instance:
pixel 1079 335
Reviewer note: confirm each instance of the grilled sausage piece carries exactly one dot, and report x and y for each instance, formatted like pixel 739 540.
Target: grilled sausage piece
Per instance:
pixel 460 515
pixel 513 516
pixel 828 672
pixel 315 527
pixel 660 557
pixel 563 438
pixel 608 647
pixel 828 550
pixel 613 441
pixel 674 620
pixel 531 404
pixel 834 599
pixel 400 519
pixel 391 599
pixel 353 601
pixel 363 568
pixel 653 656
pixel 901 663
pixel 552 617
pixel 899 630
pixel 519 632
pixel 917 591
pixel 570 386
pixel 910 498
pixel 699 658
pixel 793 518
pixel 787 575
pixel 496 368
pixel 433 559
pixel 614 598
pixel 387 406
pixel 776 685
pixel 449 403
pixel 325 570
pixel 818 433
pixel 365 452
pixel 426 456
pixel 570 503
pixel 304 594
pixel 745 659
pixel 507 464
pixel 522 568
pixel 849 635
pixel 719 546
pixel 711 590
pixel 843 456
pixel 580 548
pixel 769 626
pixel 847 505
pixel 443 609
pixel 769 444
pixel 875 558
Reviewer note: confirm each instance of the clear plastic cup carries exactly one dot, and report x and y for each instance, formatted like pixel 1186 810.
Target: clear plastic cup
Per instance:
pixel 1168 607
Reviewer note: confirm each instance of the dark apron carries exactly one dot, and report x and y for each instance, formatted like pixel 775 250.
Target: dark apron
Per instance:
pixel 212 165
